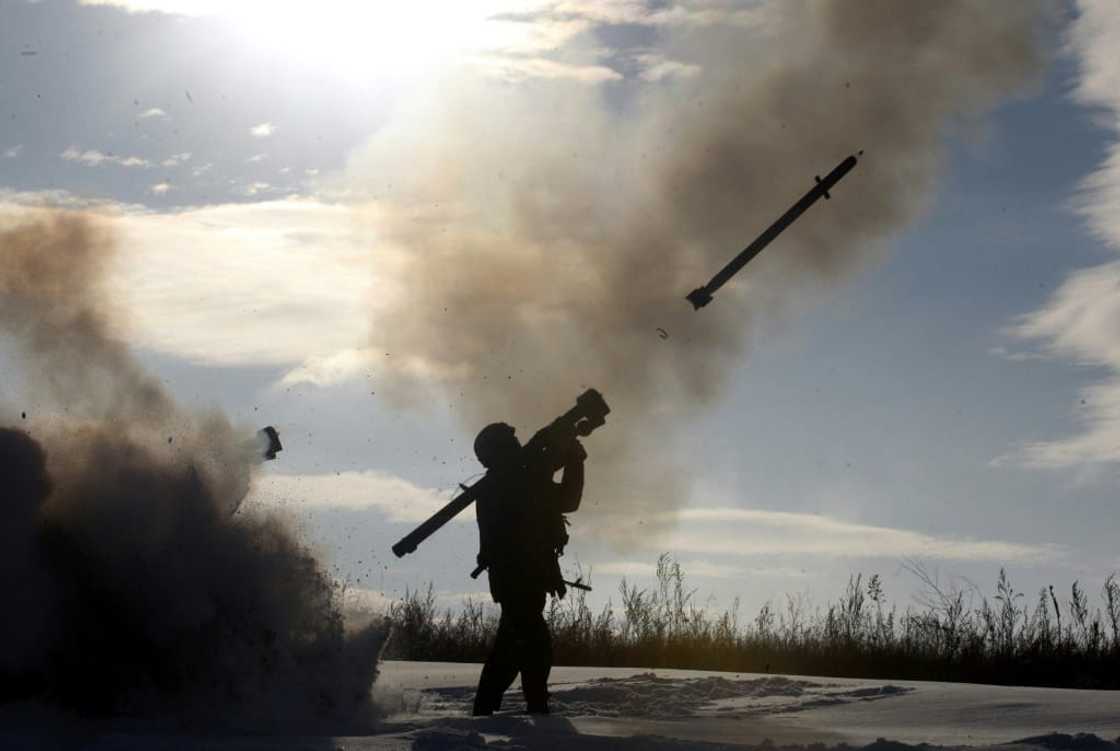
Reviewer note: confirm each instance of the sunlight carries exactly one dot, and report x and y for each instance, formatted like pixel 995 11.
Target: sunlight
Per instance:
pixel 383 38
pixel 375 38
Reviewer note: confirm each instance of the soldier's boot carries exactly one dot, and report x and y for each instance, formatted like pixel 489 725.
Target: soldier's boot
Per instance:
pixel 483 706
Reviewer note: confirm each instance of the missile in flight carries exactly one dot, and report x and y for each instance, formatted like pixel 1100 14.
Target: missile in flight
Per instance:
pixel 701 296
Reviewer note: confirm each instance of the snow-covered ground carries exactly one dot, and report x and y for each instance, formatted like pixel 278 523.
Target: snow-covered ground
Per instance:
pixel 696 708
pixel 427 704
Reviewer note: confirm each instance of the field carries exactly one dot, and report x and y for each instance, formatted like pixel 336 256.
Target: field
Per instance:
pixel 1057 639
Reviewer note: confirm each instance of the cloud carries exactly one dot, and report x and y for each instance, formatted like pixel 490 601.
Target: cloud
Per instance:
pixel 657 67
pixel 16 203
pixel 1020 356
pixel 256 158
pixel 256 188
pixel 1081 319
pixel 755 532
pixel 95 158
pixel 352 363
pixel 397 498
pixel 519 69
pixel 271 282
pixel 176 159
pixel 695 568
pixel 332 369
pixel 277 282
pixel 160 188
pixel 263 130
pixel 13 152
pixel 154 112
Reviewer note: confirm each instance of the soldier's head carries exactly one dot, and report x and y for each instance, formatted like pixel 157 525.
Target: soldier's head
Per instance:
pixel 496 445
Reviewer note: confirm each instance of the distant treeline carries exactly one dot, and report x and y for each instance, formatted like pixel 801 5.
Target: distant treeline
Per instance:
pixel 955 633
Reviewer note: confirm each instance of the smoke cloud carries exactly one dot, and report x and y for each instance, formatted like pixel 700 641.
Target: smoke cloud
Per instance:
pixel 544 232
pixel 130 587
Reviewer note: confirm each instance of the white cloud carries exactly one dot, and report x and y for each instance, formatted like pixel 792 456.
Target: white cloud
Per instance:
pixel 352 363
pixel 519 69
pixel 272 282
pixel 656 67
pixel 1016 356
pixel 399 499
pixel 256 188
pixel 1081 320
pixel 21 203
pixel 95 158
pixel 160 188
pixel 697 568
pixel 13 152
pixel 262 130
pixel 256 158
pixel 754 532
pixel 154 112
pixel 337 367
pixel 176 159
pixel 202 169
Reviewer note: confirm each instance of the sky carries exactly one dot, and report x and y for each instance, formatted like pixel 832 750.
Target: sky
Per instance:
pixel 296 190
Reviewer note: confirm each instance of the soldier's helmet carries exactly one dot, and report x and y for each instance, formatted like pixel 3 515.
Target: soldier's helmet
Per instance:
pixel 496 444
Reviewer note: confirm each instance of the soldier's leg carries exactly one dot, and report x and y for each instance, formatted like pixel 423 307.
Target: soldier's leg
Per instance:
pixel 501 666
pixel 536 655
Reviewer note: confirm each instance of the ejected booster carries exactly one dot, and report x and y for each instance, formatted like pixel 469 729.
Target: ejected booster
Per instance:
pixel 701 296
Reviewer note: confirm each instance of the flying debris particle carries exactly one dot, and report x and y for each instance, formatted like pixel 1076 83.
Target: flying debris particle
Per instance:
pixel 271 441
pixel 23 415
pixel 189 99
pixel 29 53
pixel 662 333
pixel 170 439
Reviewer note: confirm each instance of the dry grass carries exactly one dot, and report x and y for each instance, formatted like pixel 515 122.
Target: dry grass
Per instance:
pixel 953 633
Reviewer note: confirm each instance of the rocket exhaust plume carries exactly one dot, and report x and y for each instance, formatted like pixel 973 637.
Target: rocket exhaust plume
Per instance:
pixel 129 587
pixel 541 235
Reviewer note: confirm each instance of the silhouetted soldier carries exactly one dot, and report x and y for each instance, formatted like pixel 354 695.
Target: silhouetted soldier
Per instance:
pixel 521 532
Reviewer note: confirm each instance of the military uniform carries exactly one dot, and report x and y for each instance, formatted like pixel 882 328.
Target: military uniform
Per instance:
pixel 521 533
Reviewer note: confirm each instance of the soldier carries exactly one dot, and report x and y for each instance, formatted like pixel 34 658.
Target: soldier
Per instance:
pixel 521 530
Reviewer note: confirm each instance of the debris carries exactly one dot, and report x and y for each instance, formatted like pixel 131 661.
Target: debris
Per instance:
pixel 662 333
pixel 270 439
pixel 189 99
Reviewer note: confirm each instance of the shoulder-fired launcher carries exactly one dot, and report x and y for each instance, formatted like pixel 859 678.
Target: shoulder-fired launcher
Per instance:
pixel 545 450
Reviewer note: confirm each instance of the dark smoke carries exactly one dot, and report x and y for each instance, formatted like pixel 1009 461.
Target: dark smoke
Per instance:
pixel 129 587
pixel 537 240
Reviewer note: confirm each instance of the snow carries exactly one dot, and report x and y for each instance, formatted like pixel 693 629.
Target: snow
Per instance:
pixel 426 706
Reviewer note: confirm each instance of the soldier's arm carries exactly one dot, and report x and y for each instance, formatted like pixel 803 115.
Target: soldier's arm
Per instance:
pixel 570 490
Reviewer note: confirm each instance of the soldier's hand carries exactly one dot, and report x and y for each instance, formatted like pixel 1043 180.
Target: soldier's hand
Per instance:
pixel 577 453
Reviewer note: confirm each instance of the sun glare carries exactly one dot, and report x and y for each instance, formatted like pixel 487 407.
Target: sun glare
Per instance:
pixel 382 39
